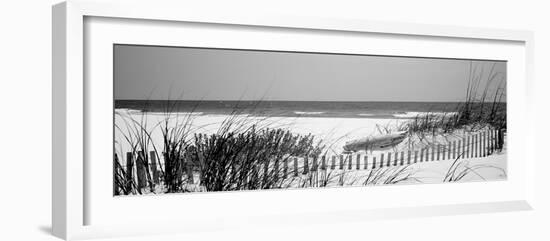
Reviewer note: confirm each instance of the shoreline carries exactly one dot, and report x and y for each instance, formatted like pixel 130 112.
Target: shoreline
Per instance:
pixel 405 115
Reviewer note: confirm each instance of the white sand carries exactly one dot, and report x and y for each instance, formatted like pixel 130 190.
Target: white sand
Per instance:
pixel 333 131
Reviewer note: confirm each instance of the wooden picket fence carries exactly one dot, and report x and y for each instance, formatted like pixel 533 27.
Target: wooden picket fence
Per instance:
pixel 144 170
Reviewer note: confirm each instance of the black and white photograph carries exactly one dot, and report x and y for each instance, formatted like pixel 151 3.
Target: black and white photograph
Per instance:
pixel 205 120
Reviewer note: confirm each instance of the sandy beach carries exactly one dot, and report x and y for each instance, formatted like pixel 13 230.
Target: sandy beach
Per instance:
pixel 334 132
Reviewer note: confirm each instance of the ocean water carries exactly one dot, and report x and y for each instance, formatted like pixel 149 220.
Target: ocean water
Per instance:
pixel 374 110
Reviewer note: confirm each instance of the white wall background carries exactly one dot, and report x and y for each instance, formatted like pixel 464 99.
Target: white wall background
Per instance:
pixel 25 119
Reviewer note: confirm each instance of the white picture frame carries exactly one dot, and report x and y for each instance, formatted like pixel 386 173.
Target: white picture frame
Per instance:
pixel 71 190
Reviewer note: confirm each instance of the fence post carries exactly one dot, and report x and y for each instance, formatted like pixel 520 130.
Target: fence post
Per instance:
pixel 373 162
pixel 190 178
pixel 366 162
pixel 500 139
pixel 496 139
pixel 421 154
pixel 415 156
pixel 480 144
pixel 463 147
pixel 455 151
pixel 427 154
pixel 153 157
pixel 115 187
pixel 350 163
pixel 306 165
pixel 314 164
pixel 443 151
pixel 474 146
pixel 449 150
pixel 489 152
pixel 381 160
pixel 458 153
pixel 148 175
pixel 485 149
pixel 323 163
pixel 129 170
pixel 452 150
pixel 409 157
pixel 490 141
pixel 396 156
pixel 333 164
pixel 438 151
pixel 471 146
pixel 358 162
pixel 389 159
pixel 140 165
pixel 295 166
pixel 467 141
pixel 341 162
pixel 402 159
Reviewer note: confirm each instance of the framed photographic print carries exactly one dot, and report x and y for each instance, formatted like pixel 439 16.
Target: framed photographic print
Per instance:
pixel 179 121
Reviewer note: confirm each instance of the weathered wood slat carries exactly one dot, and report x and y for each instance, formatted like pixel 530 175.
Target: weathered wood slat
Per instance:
pixel 154 167
pixel 129 170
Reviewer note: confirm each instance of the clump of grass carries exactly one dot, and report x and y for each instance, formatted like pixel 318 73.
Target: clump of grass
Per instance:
pixel 391 175
pixel 249 159
pixel 137 135
pixel 320 178
pixel 460 169
pixel 229 159
pixel 481 107
pixel 177 135
pixel 123 183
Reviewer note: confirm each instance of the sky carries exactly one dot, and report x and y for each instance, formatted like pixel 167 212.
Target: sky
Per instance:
pixel 160 73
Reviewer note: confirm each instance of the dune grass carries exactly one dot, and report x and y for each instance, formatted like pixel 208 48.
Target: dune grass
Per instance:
pixel 460 169
pixel 229 160
pixel 480 108
pixel 136 134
